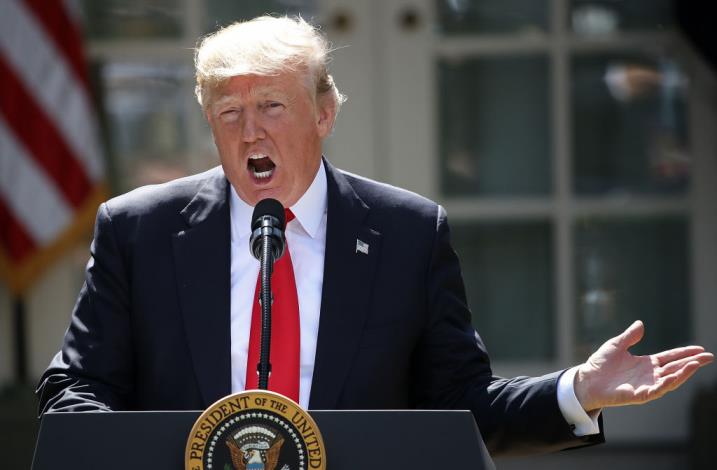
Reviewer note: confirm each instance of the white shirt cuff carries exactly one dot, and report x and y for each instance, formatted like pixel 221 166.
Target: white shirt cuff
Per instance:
pixel 583 423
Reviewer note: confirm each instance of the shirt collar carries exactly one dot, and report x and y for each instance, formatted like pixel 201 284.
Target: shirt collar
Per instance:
pixel 309 210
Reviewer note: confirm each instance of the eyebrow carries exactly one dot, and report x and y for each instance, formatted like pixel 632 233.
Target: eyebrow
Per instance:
pixel 260 92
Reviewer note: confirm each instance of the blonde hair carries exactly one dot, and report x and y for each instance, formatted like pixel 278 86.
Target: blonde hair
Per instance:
pixel 266 45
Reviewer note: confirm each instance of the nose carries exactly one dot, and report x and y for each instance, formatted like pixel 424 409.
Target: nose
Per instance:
pixel 252 127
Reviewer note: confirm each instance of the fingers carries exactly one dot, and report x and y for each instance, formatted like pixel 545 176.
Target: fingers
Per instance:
pixel 632 335
pixel 673 366
pixel 673 381
pixel 665 357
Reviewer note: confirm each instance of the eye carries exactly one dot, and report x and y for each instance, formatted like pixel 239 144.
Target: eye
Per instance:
pixel 273 108
pixel 229 115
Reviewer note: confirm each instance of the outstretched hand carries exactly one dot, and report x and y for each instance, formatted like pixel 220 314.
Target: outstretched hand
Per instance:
pixel 614 377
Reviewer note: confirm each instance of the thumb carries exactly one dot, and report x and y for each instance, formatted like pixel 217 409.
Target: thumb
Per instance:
pixel 632 335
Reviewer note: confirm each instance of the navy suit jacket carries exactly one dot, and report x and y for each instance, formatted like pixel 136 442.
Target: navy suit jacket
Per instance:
pixel 150 330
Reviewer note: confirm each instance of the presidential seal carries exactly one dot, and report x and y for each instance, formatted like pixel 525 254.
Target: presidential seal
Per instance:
pixel 255 430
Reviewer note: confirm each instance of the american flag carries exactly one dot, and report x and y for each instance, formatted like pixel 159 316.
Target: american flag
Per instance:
pixel 51 166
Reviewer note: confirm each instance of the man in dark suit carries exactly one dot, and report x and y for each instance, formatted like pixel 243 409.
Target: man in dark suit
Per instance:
pixel 162 320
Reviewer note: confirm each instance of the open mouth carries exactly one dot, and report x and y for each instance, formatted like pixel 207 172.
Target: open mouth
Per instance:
pixel 261 167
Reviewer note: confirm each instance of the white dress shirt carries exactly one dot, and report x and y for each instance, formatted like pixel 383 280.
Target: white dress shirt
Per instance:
pixel 306 238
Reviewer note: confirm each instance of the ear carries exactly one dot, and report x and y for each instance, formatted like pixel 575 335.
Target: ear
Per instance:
pixel 326 115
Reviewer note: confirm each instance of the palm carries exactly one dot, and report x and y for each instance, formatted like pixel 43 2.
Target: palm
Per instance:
pixel 614 377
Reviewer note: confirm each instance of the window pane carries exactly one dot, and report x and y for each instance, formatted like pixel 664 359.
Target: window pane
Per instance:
pixel 494 126
pixel 221 12
pixel 508 271
pixel 630 130
pixel 145 107
pixel 597 17
pixel 492 16
pixel 133 19
pixel 630 269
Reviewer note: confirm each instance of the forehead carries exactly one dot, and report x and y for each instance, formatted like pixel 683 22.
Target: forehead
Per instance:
pixel 250 86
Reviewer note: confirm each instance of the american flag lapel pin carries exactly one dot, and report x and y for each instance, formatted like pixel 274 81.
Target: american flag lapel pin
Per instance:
pixel 361 247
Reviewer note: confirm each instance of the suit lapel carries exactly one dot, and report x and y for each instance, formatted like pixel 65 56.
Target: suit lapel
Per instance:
pixel 347 288
pixel 202 256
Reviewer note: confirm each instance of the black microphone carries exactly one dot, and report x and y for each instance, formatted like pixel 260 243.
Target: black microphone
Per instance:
pixel 267 244
pixel 268 222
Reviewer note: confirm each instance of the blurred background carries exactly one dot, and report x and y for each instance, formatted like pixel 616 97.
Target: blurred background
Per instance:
pixel 572 142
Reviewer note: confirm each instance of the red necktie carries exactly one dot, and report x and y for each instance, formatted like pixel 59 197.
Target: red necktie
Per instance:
pixel 285 327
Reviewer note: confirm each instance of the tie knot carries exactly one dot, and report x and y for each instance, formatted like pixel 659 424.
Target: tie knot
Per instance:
pixel 289 215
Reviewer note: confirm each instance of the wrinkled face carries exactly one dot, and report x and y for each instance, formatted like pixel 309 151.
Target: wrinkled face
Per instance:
pixel 268 130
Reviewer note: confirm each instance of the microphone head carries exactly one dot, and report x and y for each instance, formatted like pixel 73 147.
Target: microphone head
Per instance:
pixel 268 219
pixel 270 207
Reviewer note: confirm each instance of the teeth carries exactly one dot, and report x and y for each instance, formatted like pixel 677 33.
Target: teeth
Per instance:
pixel 262 174
pixel 258 156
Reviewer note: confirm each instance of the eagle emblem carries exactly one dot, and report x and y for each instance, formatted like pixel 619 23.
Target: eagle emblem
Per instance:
pixel 255 448
pixel 254 430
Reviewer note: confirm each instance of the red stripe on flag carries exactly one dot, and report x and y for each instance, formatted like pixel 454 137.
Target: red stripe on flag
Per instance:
pixel 15 240
pixel 38 133
pixel 53 17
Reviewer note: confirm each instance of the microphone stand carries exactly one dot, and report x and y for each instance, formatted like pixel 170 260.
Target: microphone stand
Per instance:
pixel 267 244
pixel 265 301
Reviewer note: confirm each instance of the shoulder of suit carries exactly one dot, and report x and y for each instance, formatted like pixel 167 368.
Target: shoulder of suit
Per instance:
pixel 171 196
pixel 383 196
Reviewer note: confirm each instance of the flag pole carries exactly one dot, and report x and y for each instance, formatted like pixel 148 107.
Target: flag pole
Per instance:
pixel 20 339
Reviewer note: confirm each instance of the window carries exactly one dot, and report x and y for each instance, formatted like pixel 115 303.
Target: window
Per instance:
pixel 557 136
